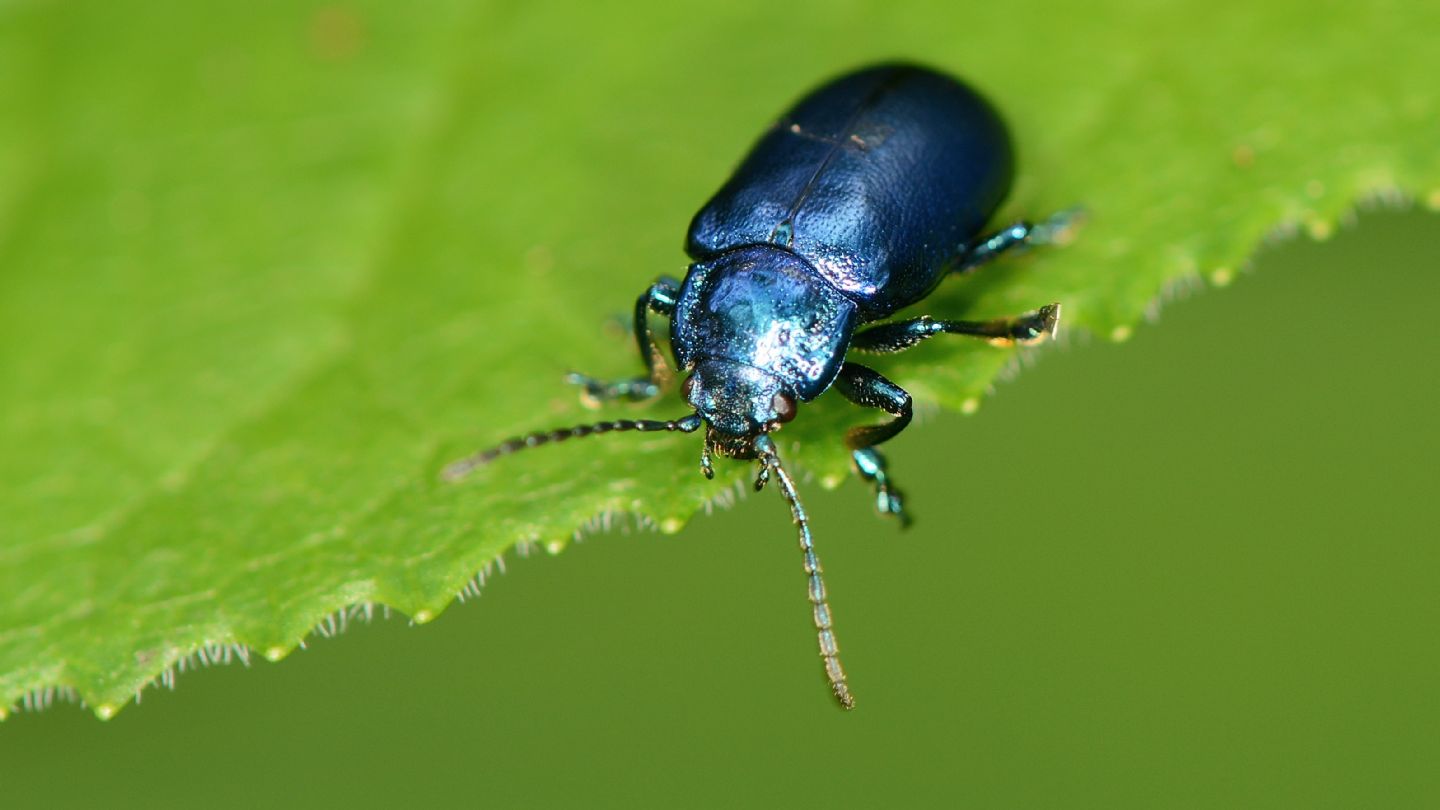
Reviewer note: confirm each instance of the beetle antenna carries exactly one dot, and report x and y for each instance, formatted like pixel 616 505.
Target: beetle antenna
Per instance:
pixel 459 469
pixel 828 648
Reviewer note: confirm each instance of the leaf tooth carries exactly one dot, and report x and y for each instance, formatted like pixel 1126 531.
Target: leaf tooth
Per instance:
pixel 242 652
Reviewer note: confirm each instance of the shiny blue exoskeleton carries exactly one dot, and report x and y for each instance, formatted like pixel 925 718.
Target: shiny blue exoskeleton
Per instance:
pixel 855 204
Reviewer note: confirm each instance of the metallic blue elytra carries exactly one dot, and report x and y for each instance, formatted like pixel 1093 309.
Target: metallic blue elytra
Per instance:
pixel 874 179
pixel 856 203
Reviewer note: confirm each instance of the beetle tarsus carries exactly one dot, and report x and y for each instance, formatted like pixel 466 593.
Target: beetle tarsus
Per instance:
pixel 1030 328
pixel 595 392
pixel 762 476
pixel 707 469
pixel 1057 229
pixel 888 499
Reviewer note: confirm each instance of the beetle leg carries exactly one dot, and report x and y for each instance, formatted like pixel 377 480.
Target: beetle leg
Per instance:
pixel 1056 229
pixel 864 386
pixel 888 499
pixel 660 298
pixel 1031 327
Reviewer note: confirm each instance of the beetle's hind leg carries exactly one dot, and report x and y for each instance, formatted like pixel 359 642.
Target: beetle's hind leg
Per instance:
pixel 865 386
pixel 1023 234
pixel 659 298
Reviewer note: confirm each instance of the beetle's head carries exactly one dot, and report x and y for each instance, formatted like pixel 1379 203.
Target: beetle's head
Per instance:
pixel 739 403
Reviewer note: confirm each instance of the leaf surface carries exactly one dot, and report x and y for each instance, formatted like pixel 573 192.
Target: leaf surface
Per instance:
pixel 264 272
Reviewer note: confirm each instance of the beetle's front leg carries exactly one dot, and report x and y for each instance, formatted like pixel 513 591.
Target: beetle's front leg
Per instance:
pixel 1022 234
pixel 660 298
pixel 888 499
pixel 865 386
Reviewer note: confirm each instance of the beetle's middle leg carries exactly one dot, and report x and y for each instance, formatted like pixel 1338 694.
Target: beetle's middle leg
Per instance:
pixel 1030 327
pixel 1021 234
pixel 659 298
pixel 865 386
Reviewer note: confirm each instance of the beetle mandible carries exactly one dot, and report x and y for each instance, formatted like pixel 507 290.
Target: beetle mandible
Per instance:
pixel 857 203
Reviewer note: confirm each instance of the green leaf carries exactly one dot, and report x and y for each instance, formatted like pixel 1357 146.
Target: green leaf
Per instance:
pixel 263 272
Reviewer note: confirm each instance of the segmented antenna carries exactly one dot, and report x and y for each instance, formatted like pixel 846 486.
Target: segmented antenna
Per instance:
pixel 828 648
pixel 459 469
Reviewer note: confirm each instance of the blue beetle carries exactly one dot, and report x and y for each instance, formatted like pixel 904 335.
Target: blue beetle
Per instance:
pixel 857 203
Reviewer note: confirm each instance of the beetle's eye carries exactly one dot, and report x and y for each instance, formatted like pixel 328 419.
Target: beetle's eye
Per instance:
pixel 687 387
pixel 784 406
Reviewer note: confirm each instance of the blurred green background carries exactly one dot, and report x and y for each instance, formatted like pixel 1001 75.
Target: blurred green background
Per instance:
pixel 1240 609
